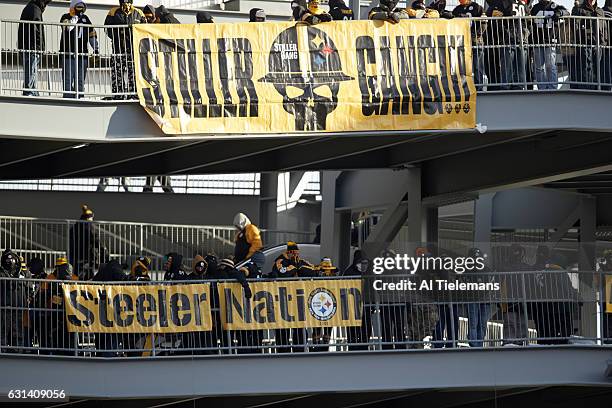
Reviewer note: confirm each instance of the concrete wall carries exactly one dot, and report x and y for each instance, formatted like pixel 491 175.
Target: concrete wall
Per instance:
pixel 137 207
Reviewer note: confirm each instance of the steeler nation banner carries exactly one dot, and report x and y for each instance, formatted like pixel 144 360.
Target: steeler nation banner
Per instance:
pixel 137 308
pixel 291 304
pixel 287 77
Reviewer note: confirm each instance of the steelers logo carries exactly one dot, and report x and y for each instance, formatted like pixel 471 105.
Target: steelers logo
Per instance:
pixel 322 304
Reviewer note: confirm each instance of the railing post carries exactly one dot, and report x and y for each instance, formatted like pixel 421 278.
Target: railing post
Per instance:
pixel 526 316
pixel 598 61
pixel 1 69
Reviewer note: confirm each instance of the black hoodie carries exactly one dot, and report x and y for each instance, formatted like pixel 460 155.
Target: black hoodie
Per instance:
pixel 339 10
pixel 32 36
pixel 165 17
pixel 111 272
pixel 352 270
pixel 204 17
pixel 253 15
pixel 175 272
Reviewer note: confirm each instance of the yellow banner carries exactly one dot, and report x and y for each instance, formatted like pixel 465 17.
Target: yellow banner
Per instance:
pixel 608 293
pixel 287 77
pixel 137 308
pixel 292 304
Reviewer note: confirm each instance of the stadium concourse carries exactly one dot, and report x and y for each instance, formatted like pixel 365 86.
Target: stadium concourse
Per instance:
pixel 290 204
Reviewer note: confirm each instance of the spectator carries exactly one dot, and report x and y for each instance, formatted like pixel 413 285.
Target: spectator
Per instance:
pixel 478 312
pixel 339 10
pixel 422 311
pixel 31 43
pixel 140 269
pixel 108 343
pixel 55 338
pixel 512 35
pixel 290 265
pixel 440 7
pixel 553 317
pixel 85 249
pixel 257 15
pixel 591 37
pixel 73 47
pixel 123 182
pixel 247 340
pixel 387 11
pixel 545 37
pixel 204 17
pixel 605 267
pixel 322 335
pixel 163 180
pixel 392 307
pixel 122 62
pixel 513 312
pixel 13 301
pixel 36 268
pixel 248 241
pixel 471 9
pixel 418 10
pixel 311 14
pixel 173 265
pixel 358 337
pixel 606 62
pixel 163 16
pixel 149 14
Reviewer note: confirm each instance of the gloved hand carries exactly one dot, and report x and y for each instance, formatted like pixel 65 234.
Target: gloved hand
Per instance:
pixel 247 291
pixel 315 20
pixel 394 17
pixel 96 51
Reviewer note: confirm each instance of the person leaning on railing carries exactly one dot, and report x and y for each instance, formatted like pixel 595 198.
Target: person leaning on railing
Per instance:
pixel 322 335
pixel 590 38
pixel 13 300
pixel 606 63
pixel 54 335
pixel 73 48
pixel 418 10
pixel 248 243
pixel 387 11
pixel 31 43
pixel 359 337
pixel 290 265
pixel 122 62
pixel 312 14
pixel 512 36
pixel 340 11
pixel 471 9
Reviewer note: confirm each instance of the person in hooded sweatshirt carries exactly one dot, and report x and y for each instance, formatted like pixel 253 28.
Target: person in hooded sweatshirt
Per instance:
pixel 173 265
pixel 248 241
pixel 257 15
pixel 31 43
pixel 360 335
pixel 74 48
pixel 108 343
pixel 204 17
pixel 339 10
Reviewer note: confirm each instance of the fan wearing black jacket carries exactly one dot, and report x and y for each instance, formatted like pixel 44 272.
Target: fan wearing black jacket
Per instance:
pixel 471 9
pixel 339 10
pixel 31 43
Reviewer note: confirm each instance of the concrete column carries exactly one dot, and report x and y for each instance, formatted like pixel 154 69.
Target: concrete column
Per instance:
pixel 483 218
pixel 416 211
pixel 268 186
pixel 588 286
pixel 335 226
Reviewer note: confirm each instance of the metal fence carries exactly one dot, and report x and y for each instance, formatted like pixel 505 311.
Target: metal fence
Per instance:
pixel 226 184
pixel 87 244
pixel 531 308
pixel 509 53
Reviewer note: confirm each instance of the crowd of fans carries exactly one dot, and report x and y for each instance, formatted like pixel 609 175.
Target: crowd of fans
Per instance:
pixel 511 54
pixel 32 310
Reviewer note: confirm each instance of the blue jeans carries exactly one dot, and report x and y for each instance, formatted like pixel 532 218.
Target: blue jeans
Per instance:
pixel 478 316
pixel 30 61
pixel 74 71
pixel 449 320
pixel 478 67
pixel 545 59
pixel 514 62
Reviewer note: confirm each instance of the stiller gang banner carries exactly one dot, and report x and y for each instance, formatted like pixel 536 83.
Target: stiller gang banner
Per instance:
pixel 283 77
